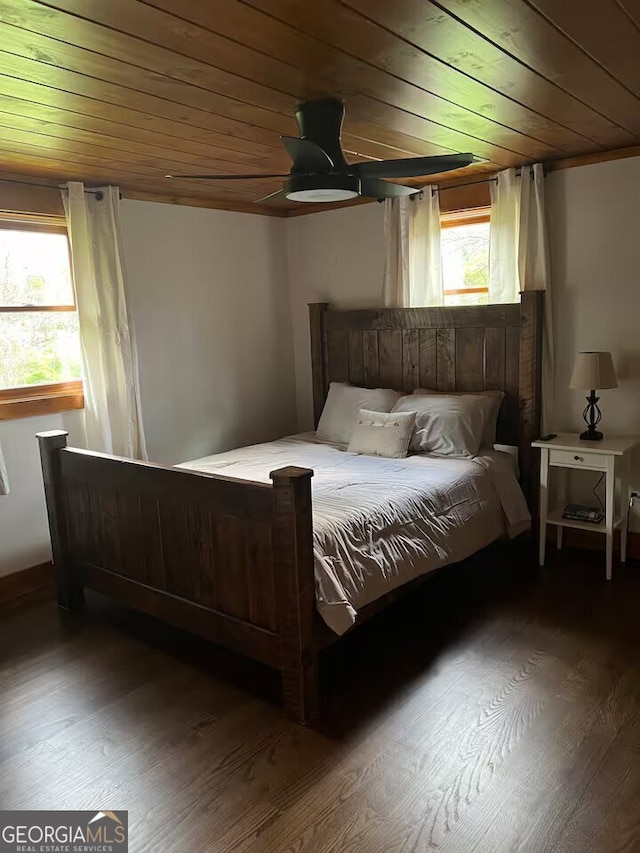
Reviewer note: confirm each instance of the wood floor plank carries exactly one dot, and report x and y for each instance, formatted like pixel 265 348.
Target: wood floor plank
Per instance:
pixel 494 711
pixel 546 777
pixel 369 779
pixel 614 785
pixel 112 735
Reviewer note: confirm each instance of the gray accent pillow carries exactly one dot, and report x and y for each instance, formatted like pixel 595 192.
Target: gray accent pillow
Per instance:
pixel 342 405
pixel 447 425
pixel 491 424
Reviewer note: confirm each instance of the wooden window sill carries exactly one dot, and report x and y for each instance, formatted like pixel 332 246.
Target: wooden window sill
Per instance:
pixel 40 400
pixel 464 291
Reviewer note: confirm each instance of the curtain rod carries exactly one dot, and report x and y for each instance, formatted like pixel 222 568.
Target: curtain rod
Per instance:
pixel 468 184
pixel 489 180
pixel 419 193
pixel 493 179
pixel 97 193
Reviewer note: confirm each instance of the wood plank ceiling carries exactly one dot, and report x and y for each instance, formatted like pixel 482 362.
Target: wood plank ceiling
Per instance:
pixel 123 91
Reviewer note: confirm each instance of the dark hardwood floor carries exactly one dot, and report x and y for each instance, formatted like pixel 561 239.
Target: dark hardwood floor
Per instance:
pixel 496 711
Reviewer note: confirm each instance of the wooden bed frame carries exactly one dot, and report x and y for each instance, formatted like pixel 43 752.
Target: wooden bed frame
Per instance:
pixel 232 560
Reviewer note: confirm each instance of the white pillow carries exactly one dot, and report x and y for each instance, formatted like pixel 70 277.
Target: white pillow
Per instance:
pixel 447 425
pixel 382 434
pixel 491 424
pixel 343 403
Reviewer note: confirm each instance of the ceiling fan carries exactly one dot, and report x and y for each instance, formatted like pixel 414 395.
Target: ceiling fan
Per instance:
pixel 320 172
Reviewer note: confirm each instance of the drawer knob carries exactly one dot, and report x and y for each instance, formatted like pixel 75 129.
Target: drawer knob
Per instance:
pixel 579 458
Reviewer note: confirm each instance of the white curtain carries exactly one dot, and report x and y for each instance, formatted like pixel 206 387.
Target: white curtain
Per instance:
pixel 519 256
pixel 4 479
pixel 112 397
pixel 413 257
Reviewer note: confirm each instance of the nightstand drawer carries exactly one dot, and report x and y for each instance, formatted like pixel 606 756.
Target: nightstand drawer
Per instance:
pixel 578 459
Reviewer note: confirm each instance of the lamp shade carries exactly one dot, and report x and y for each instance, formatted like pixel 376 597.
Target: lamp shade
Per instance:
pixel 593 370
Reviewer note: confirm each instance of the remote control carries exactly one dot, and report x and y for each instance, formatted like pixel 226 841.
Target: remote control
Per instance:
pixel 549 436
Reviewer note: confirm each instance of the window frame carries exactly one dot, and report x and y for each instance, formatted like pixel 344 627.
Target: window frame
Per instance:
pixel 457 218
pixel 42 399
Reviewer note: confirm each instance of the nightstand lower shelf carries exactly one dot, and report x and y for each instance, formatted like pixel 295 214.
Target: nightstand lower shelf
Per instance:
pixel 555 517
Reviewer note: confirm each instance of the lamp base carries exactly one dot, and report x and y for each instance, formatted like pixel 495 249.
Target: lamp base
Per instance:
pixel 592 416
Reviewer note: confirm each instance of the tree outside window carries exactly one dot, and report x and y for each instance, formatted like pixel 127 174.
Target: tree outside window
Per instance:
pixel 39 340
pixel 465 257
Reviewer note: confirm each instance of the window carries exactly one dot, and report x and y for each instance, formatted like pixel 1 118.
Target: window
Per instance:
pixel 39 341
pixel 465 256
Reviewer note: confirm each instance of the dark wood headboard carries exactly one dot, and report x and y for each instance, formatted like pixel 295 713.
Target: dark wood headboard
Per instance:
pixel 483 347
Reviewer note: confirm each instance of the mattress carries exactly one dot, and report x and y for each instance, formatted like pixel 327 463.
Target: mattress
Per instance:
pixel 380 523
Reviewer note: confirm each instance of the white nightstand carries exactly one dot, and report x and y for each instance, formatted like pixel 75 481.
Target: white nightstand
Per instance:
pixel 612 457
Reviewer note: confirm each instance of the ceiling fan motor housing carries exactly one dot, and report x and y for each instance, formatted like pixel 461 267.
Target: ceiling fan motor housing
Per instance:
pixel 321 122
pixel 326 187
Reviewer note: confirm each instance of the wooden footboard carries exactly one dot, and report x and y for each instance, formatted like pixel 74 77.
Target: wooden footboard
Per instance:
pixel 226 559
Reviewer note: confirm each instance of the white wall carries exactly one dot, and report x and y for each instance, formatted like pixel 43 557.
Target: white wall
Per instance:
pixel 595 255
pixel 209 297
pixel 335 256
pixel 24 534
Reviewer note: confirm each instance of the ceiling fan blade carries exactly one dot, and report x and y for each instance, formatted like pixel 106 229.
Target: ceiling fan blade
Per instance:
pixel 224 177
pixel 306 155
pixel 376 188
pixel 413 167
pixel 278 195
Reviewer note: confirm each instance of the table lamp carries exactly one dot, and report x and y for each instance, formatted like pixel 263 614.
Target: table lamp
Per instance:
pixel 591 371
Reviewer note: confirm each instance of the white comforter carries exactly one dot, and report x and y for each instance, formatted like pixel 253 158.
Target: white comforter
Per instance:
pixel 379 523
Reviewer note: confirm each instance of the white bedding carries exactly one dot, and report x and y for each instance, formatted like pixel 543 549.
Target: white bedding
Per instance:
pixel 379 523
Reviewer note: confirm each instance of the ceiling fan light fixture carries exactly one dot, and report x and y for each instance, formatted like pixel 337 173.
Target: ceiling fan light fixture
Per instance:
pixel 321 188
pixel 316 196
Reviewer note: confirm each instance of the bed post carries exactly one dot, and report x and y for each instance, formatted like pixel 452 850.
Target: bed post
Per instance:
pixel 295 587
pixel 531 322
pixel 70 591
pixel 319 382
